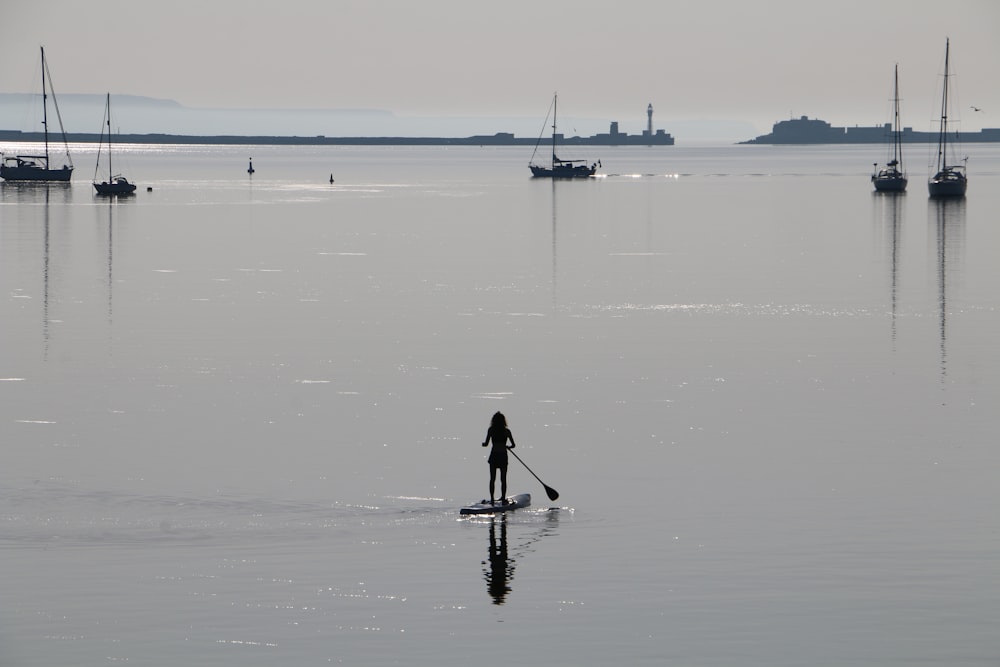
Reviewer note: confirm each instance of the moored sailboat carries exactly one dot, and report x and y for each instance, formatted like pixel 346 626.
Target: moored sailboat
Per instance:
pixel 892 178
pixel 950 179
pixel 116 183
pixel 37 167
pixel 558 168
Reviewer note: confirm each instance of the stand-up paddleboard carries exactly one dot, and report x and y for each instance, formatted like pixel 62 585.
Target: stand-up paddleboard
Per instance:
pixel 484 506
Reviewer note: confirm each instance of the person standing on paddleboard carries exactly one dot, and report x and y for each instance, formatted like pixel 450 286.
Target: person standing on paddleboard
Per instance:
pixel 499 434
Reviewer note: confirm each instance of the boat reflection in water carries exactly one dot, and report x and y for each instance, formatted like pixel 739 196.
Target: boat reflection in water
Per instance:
pixel 33 201
pixel 948 225
pixel 888 214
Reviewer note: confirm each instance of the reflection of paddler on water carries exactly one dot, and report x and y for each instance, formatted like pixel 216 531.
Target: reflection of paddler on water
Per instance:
pixel 499 568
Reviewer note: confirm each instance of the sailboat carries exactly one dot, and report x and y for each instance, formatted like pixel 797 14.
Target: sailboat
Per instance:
pixel 36 167
pixel 559 168
pixel 950 179
pixel 892 178
pixel 116 184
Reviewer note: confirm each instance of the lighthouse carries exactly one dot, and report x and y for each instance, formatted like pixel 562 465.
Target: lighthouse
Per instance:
pixel 649 123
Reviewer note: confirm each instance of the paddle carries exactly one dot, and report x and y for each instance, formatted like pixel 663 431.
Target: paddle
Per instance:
pixel 549 491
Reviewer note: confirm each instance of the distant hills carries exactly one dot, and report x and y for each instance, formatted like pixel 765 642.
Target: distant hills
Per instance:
pixel 151 120
pixel 134 114
pixel 146 115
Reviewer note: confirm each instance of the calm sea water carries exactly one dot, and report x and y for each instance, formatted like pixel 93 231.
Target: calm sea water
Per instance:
pixel 239 415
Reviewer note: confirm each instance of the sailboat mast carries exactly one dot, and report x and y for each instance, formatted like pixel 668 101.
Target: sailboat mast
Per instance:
pixel 107 106
pixel 943 133
pixel 45 110
pixel 555 112
pixel 898 152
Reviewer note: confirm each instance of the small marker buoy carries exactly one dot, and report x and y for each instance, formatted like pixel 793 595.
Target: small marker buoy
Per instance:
pixel 250 169
pixel 331 178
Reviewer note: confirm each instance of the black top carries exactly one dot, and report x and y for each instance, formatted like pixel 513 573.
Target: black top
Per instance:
pixel 499 437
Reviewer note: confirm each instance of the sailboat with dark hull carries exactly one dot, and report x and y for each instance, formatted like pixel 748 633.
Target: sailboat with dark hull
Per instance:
pixel 116 183
pixel 950 179
pixel 892 178
pixel 558 168
pixel 37 167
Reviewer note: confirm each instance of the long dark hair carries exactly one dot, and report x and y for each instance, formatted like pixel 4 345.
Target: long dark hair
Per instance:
pixel 499 421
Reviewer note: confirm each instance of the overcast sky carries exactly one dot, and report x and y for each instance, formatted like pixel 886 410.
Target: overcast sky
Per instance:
pixel 751 60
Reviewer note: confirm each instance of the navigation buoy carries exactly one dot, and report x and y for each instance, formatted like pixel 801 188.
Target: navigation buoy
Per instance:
pixel 331 178
pixel 250 170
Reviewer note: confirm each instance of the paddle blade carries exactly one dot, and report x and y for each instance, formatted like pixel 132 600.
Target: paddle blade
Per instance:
pixel 549 491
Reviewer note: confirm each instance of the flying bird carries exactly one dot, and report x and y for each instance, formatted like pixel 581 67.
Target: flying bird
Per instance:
pixel 975 108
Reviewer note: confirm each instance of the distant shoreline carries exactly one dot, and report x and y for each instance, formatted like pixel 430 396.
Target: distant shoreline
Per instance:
pixel 659 138
pixel 799 131
pixel 805 130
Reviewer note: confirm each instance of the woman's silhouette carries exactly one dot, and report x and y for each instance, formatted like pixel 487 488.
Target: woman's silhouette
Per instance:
pixel 499 434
